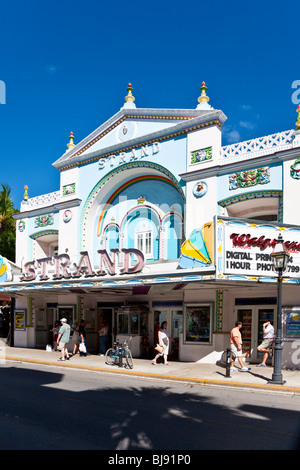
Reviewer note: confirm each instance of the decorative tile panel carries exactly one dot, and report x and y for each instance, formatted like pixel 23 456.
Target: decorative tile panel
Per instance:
pixel 44 220
pixel 201 155
pixel 69 189
pixel 247 178
pixel 295 169
pixel 21 226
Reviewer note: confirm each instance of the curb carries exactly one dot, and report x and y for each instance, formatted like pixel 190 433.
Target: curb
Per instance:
pixel 266 387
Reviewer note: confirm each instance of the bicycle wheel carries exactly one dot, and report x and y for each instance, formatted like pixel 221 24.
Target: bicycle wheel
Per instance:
pixel 129 360
pixel 110 357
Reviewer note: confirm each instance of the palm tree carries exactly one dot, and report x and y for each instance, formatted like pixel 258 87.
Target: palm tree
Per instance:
pixel 7 223
pixel 6 207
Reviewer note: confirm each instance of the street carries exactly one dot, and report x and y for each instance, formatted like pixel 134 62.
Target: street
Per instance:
pixel 48 407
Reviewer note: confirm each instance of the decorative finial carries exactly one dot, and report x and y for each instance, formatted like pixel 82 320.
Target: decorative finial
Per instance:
pixel 25 197
pixel 129 98
pixel 71 141
pixel 298 120
pixel 203 98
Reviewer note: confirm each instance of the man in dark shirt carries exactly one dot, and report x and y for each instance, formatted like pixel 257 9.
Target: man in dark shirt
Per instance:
pixel 82 338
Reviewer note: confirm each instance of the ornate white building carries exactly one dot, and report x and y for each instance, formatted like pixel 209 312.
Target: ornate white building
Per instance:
pixel 156 220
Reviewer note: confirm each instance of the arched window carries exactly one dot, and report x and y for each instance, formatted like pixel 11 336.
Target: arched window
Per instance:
pixel 111 233
pixel 172 235
pixel 45 244
pixel 144 239
pixel 259 205
pixel 140 228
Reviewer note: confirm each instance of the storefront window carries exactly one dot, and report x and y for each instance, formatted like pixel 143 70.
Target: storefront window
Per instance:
pixel 198 323
pixel 123 323
pixel 40 318
pixel 66 312
pixel 144 324
pixel 132 320
pixel 134 324
pixel 90 318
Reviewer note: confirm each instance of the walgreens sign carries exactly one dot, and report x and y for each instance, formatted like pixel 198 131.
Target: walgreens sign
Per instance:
pixel 247 250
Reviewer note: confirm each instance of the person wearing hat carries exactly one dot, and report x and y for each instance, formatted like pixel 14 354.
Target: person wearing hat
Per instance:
pixel 63 339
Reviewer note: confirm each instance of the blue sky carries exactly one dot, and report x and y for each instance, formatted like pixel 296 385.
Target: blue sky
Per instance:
pixel 66 66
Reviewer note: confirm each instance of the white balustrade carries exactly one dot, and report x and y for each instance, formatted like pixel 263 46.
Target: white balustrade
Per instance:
pixel 257 147
pixel 40 201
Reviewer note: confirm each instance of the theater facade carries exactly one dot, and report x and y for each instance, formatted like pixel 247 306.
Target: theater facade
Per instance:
pixel 156 220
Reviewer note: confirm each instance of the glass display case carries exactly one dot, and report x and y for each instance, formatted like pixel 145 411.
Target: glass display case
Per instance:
pixel 132 321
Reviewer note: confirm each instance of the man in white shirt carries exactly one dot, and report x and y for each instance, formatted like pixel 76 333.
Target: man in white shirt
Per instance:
pixel 63 339
pixel 268 331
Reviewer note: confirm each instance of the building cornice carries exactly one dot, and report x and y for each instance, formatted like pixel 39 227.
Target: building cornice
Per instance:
pixel 191 123
pixel 219 170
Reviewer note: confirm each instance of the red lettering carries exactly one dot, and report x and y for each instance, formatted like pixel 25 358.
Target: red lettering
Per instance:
pixel 292 245
pixel 261 242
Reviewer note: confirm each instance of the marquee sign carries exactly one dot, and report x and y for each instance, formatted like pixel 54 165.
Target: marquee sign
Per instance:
pixel 246 249
pixel 63 269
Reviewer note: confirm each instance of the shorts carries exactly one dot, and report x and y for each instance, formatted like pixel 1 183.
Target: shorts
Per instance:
pixel 234 351
pixel 266 343
pixel 62 345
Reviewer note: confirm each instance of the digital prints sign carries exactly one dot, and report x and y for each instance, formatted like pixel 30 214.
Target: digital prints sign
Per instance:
pixel 245 248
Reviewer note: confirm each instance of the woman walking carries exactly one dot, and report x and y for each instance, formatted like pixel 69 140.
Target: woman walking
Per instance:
pixel 163 340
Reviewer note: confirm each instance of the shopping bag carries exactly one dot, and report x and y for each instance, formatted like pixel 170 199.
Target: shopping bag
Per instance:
pixel 159 348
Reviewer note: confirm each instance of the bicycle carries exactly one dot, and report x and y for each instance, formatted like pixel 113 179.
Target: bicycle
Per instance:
pixel 114 356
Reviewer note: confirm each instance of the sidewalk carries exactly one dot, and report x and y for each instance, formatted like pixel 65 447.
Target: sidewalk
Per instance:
pixel 191 372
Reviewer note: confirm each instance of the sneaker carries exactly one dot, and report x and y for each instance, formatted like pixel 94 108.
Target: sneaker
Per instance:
pixel 245 369
pixel 261 365
pixel 233 369
pixel 154 363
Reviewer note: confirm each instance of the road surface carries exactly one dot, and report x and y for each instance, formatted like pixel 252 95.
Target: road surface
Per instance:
pixel 49 407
